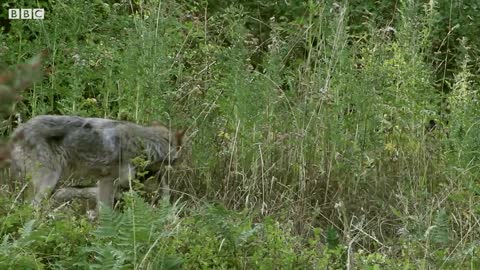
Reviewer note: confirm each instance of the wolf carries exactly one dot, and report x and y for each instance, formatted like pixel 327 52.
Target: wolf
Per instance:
pixel 54 148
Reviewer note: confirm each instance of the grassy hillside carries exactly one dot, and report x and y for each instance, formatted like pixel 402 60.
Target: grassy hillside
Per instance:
pixel 320 134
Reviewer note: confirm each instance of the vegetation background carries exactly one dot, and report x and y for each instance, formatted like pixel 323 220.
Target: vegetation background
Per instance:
pixel 321 134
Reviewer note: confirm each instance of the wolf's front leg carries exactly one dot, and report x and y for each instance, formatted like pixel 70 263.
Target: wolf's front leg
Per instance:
pixel 44 181
pixel 126 174
pixel 106 193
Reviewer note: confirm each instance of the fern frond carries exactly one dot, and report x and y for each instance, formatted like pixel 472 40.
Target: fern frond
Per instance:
pixel 440 233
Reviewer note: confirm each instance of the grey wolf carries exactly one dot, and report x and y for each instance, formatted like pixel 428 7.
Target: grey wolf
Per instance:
pixel 52 148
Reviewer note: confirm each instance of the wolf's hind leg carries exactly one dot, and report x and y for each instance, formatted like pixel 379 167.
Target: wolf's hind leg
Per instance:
pixel 44 181
pixel 66 194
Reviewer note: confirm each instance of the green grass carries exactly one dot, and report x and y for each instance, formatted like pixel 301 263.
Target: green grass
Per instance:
pixel 307 121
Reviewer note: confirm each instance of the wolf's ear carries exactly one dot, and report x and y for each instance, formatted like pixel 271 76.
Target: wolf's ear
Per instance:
pixel 18 135
pixel 179 137
pixel 4 155
pixel 156 123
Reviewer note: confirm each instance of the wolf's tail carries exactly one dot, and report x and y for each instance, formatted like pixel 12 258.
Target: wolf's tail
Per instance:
pixel 33 136
pixel 46 130
pixel 41 139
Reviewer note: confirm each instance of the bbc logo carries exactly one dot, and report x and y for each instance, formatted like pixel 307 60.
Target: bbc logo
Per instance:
pixel 26 13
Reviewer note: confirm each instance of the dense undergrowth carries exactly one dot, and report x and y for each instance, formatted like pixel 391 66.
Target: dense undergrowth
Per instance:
pixel 321 135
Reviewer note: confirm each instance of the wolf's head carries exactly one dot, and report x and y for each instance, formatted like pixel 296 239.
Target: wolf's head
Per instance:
pixel 175 146
pixel 168 146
